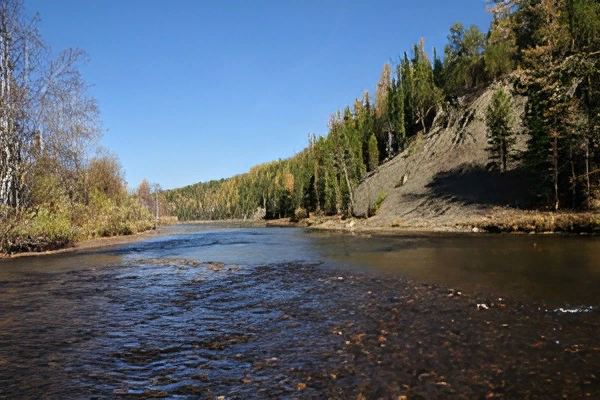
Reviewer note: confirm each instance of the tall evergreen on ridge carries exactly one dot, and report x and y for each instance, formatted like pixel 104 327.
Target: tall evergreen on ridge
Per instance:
pixel 373 153
pixel 407 89
pixel 438 70
pixel 500 122
pixel 367 126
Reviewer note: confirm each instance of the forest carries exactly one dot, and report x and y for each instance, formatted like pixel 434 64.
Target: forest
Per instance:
pixel 548 49
pixel 56 184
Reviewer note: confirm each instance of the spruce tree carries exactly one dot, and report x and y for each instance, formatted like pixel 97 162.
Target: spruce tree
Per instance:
pixel 499 121
pixel 407 89
pixel 438 70
pixel 367 125
pixel 373 153
pixel 395 110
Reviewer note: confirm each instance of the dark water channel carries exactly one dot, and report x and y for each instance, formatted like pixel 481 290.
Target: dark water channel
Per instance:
pixel 188 314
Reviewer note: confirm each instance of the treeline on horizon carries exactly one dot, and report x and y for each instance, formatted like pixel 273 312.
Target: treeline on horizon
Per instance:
pixel 56 185
pixel 550 51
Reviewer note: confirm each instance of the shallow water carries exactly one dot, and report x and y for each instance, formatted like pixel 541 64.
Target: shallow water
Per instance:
pixel 555 269
pixel 157 317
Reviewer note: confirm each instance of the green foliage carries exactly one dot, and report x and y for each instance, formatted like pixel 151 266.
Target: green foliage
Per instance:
pixel 380 199
pixel 57 223
pixel 46 191
pixel 407 83
pixel 438 70
pixel 463 55
pixel 561 83
pixel 426 95
pixel 331 205
pixel 500 49
pixel 26 230
pixel 105 174
pixel 500 122
pixel 54 226
pixel 374 207
pixel 373 153
pixel 392 121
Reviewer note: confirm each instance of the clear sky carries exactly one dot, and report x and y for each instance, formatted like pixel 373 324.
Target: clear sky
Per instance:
pixel 194 90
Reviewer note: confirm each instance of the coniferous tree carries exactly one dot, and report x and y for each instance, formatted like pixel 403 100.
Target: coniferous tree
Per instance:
pixel 367 125
pixel 426 95
pixel 499 121
pixel 373 153
pixel 382 127
pixel 395 111
pixel 546 86
pixel 501 45
pixel 463 57
pixel 356 140
pixel 407 89
pixel 382 90
pixel 438 70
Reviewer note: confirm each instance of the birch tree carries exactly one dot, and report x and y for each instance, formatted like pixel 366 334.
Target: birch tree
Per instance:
pixel 45 111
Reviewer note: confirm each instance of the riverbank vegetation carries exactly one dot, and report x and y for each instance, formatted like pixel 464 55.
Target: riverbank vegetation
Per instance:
pixel 548 51
pixel 537 222
pixel 56 187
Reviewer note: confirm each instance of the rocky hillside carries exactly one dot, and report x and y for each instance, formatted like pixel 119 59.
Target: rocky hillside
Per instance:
pixel 444 177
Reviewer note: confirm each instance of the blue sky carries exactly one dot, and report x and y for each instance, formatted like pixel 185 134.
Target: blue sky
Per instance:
pixel 194 90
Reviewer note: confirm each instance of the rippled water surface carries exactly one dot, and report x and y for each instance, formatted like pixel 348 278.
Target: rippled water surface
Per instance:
pixel 155 318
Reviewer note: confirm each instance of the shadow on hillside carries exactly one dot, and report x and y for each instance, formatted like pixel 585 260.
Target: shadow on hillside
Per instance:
pixel 471 185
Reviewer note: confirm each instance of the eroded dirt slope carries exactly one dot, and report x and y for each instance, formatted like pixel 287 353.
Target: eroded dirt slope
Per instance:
pixel 444 177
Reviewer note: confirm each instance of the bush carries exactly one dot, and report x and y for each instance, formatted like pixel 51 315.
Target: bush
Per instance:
pixel 39 230
pixel 104 217
pixel 59 224
pixel 374 207
pixel 300 214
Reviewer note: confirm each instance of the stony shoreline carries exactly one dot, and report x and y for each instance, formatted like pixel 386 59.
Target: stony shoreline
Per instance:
pixel 499 221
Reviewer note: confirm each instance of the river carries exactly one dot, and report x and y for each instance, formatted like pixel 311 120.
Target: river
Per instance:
pixel 244 312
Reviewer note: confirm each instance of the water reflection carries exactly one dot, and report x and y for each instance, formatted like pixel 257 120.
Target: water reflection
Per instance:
pixel 551 269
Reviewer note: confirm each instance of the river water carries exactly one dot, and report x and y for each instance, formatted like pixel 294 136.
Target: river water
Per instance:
pixel 554 269
pixel 181 314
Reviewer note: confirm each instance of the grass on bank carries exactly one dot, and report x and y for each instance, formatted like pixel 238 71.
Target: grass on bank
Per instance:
pixel 540 222
pixel 58 224
pixel 374 207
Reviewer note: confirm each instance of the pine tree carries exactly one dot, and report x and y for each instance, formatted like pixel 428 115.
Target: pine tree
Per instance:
pixel 499 121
